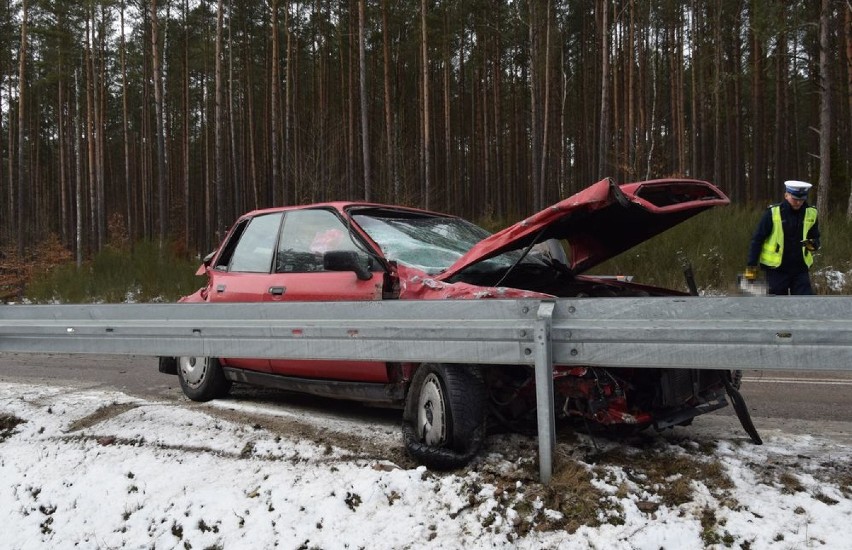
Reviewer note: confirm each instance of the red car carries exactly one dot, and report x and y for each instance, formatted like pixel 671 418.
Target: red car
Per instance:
pixel 359 251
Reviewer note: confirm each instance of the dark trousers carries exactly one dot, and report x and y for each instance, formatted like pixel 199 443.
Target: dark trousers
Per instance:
pixel 782 283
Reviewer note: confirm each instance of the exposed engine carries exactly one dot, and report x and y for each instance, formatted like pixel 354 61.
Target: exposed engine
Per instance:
pixel 600 398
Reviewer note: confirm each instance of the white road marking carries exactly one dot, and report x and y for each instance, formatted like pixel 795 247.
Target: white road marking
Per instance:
pixel 813 381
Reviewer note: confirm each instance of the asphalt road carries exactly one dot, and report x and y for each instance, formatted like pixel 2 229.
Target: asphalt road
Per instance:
pixel 806 402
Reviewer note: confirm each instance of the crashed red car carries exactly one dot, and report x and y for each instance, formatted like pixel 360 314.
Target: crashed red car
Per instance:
pixel 359 251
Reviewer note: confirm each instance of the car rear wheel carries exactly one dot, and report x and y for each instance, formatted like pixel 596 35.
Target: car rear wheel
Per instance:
pixel 444 418
pixel 202 378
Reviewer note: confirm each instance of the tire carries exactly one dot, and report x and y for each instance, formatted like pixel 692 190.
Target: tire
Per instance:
pixel 202 378
pixel 444 418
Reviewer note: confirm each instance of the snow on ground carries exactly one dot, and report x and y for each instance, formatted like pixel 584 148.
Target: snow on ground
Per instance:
pixel 84 468
pixel 832 279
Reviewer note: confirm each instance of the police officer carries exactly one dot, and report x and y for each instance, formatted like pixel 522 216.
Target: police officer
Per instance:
pixel 783 242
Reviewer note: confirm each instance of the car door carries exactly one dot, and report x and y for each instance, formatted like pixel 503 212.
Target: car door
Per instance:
pixel 242 272
pixel 300 275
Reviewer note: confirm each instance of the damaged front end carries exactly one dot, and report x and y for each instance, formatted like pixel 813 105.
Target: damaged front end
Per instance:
pixel 616 401
pixel 658 398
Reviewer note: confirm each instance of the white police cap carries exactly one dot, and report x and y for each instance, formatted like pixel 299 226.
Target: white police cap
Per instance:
pixel 798 189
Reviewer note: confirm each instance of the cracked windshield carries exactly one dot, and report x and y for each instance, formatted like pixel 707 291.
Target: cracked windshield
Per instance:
pixel 429 243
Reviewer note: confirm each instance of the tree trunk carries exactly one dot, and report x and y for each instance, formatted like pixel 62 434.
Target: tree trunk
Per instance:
pixel 630 127
pixel 96 242
pixel 679 111
pixel 273 109
pixel 694 104
pixel 427 149
pixel 251 148
pixel 125 115
pixel 101 125
pixel 824 109
pixel 780 153
pixel 758 176
pixel 21 218
pixel 651 121
pixel 603 137
pixel 188 214
pixel 362 74
pixel 11 216
pixel 563 136
pixel 237 183
pixel 542 179
pixel 535 143
pixel 390 161
pixel 159 129
pixel 78 170
pixel 847 26
pixel 219 127
pixel 717 95
pixel 735 148
pixel 287 154
pixel 350 153
pixel 63 147
pixel 462 187
pixel 500 180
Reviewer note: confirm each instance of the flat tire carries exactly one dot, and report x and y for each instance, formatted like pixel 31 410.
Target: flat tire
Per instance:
pixel 444 421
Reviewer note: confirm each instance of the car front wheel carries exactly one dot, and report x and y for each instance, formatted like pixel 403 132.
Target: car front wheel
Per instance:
pixel 444 418
pixel 202 378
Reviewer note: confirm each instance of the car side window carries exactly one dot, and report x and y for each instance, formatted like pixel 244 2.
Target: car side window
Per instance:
pixel 306 236
pixel 253 253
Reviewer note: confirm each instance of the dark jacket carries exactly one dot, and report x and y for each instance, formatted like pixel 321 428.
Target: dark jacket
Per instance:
pixel 791 222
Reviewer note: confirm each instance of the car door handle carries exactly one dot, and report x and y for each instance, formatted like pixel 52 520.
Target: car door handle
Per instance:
pixel 277 290
pixel 220 288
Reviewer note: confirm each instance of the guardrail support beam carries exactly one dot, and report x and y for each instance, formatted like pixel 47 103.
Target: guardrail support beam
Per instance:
pixel 543 350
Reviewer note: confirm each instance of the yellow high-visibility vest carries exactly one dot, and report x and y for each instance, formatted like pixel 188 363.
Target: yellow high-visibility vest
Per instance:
pixel 773 246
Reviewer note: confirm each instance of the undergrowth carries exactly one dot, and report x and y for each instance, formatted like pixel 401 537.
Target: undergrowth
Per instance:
pixel 142 273
pixel 714 244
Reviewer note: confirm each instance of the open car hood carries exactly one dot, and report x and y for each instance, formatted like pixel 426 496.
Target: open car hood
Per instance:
pixel 601 221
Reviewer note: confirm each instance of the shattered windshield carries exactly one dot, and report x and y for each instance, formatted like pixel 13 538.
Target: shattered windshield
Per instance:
pixel 426 242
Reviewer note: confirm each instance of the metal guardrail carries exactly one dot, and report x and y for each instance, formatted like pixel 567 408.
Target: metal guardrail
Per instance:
pixel 805 333
pixel 762 333
pixel 443 331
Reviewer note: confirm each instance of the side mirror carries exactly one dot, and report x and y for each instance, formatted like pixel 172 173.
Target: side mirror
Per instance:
pixel 208 258
pixel 205 264
pixel 348 260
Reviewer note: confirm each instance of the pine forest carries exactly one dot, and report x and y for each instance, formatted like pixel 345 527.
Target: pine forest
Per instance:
pixel 164 120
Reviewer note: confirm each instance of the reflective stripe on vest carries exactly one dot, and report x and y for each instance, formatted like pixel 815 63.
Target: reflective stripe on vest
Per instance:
pixel 773 246
pixel 810 220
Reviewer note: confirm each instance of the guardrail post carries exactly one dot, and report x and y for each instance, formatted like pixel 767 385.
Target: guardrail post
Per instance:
pixel 544 390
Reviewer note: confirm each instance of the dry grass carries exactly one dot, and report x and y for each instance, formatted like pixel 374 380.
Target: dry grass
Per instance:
pixel 670 475
pixel 8 423
pixel 790 484
pixel 572 494
pixel 567 503
pixel 663 474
